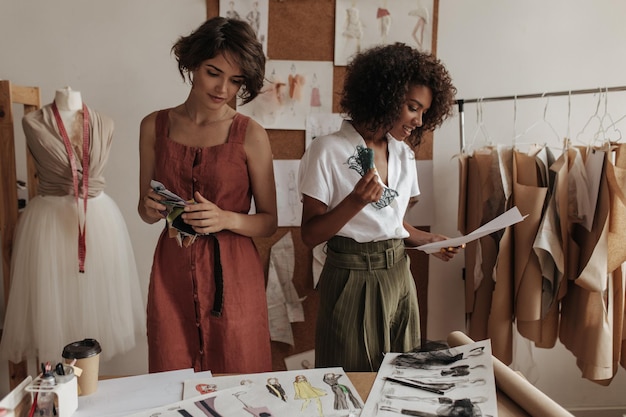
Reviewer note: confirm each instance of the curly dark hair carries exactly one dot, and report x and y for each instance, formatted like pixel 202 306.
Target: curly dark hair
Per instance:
pixel 377 81
pixel 222 35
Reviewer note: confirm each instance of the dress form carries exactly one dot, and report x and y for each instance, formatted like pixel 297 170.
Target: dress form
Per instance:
pixel 71 304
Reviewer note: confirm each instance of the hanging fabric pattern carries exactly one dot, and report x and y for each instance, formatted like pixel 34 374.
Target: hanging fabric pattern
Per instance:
pixel 561 274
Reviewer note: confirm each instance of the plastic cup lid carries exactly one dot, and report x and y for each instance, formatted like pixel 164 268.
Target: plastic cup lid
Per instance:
pixel 82 349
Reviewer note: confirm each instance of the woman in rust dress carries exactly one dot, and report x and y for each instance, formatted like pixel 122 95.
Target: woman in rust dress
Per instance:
pixel 206 300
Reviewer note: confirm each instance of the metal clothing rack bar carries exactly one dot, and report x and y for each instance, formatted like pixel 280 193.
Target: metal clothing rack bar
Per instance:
pixel 460 102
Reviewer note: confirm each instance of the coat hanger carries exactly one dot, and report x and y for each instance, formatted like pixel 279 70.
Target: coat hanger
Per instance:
pixel 566 139
pixel 543 121
pixel 594 116
pixel 480 129
pixel 613 126
pixel 609 130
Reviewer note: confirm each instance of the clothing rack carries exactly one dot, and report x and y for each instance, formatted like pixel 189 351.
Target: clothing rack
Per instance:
pixel 461 102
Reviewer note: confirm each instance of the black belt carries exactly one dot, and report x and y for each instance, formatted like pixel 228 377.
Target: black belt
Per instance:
pixel 218 299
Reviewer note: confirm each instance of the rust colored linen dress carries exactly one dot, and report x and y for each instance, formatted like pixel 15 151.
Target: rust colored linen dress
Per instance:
pixel 183 329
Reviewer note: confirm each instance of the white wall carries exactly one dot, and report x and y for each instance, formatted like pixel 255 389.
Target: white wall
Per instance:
pixel 502 48
pixel 117 53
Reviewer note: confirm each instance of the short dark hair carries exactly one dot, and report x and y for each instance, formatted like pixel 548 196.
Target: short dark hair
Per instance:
pixel 220 35
pixel 377 81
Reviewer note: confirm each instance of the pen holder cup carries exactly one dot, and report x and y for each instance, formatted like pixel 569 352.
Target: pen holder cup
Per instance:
pixel 66 393
pixel 68 374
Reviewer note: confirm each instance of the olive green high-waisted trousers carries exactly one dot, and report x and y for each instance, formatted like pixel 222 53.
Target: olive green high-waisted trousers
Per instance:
pixel 368 304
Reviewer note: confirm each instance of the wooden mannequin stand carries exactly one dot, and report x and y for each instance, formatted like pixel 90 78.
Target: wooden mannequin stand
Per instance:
pixel 31 99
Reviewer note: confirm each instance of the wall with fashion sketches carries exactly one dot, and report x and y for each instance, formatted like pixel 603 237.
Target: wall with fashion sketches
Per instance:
pixel 117 53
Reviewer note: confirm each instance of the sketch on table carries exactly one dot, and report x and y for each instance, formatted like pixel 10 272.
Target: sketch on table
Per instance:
pixel 442 382
pixel 286 393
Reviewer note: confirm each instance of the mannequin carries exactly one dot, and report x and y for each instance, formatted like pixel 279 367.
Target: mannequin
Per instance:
pixel 68 100
pixel 70 105
pixel 73 271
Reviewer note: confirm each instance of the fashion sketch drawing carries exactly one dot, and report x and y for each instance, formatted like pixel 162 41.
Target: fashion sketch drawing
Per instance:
pixel 439 382
pixel 361 24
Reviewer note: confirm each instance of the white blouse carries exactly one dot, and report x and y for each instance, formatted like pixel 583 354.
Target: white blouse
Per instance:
pixel 325 175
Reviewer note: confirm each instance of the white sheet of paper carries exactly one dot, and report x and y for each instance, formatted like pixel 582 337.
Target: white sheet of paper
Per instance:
pixel 193 408
pixel 363 24
pixel 255 12
pixel 287 194
pixel 506 219
pixel 320 124
pixel 123 396
pixel 303 360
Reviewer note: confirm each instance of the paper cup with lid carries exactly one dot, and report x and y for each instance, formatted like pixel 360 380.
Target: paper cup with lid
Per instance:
pixel 86 352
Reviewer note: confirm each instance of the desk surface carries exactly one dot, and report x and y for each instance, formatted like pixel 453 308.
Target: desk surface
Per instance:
pixel 363 382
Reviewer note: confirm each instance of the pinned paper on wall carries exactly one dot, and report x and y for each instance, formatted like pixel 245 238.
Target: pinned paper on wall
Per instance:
pixel 287 194
pixel 283 303
pixel 254 12
pixel 320 124
pixel 361 25
pixel 292 91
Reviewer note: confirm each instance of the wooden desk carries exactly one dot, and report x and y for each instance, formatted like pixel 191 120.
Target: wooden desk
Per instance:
pixel 363 382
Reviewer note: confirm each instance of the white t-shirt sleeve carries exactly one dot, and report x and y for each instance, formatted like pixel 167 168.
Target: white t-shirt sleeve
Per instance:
pixel 312 176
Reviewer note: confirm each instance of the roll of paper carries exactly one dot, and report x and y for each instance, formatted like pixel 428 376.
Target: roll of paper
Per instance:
pixel 516 387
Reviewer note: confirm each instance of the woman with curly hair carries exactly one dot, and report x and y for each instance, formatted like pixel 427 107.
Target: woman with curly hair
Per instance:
pixel 356 184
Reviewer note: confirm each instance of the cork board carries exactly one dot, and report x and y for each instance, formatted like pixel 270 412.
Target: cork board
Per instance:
pixel 304 30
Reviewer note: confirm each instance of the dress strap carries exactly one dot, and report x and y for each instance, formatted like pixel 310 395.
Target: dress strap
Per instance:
pixel 238 128
pixel 162 124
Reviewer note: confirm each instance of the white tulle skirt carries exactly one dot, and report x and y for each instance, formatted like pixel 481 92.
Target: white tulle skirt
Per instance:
pixel 51 303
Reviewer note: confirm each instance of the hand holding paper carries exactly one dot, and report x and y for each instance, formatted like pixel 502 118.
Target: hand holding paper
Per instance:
pixel 175 206
pixel 506 219
pixel 171 199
